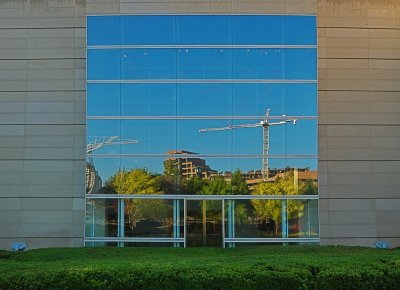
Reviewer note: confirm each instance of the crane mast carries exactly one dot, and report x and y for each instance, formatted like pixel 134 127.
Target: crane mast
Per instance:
pixel 265 124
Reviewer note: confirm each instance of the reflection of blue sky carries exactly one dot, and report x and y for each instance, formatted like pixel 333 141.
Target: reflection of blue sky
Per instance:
pixel 160 136
pixel 201 99
pixel 201 29
pixel 202 63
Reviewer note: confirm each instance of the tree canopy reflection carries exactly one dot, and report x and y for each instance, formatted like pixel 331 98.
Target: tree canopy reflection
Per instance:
pixel 143 182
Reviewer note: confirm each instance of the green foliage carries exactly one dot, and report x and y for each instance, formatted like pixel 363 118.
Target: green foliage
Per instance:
pixel 262 267
pixel 238 182
pixel 217 185
pixel 140 181
pixel 193 185
pixel 171 167
pixel 135 181
pixel 272 209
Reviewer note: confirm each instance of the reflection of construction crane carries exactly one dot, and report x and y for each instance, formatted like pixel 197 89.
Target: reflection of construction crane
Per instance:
pixel 93 180
pixel 265 124
pixel 106 141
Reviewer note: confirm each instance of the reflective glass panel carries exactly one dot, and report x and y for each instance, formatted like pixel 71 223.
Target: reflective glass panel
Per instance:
pixel 253 218
pixel 301 100
pixel 103 100
pixel 268 218
pixel 142 218
pixel 254 99
pixel 257 29
pixel 206 63
pixel 191 138
pixel 101 218
pixel 183 172
pixel 301 64
pixel 148 100
pixel 204 99
pixel 99 173
pixel 189 117
pixel 282 99
pixel 147 29
pixel 302 138
pixel 102 136
pixel 301 30
pixel 276 63
pixel 103 30
pixel 103 64
pixel 303 219
pixel 249 138
pixel 148 218
pixel 204 29
pixel 206 136
pixel 153 136
pixel 259 63
pixel 277 167
pixel 204 223
pixel 148 63
pixel 201 99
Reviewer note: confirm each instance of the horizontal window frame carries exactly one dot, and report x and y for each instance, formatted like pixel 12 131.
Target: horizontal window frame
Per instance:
pixel 201 197
pixel 177 46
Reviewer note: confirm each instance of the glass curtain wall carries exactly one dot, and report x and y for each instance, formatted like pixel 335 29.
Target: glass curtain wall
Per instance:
pixel 180 107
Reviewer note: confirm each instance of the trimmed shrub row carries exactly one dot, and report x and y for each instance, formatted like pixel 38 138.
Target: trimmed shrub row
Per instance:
pixel 222 272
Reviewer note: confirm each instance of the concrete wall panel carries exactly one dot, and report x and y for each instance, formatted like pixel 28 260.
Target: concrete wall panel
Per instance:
pixel 359 121
pixel 40 80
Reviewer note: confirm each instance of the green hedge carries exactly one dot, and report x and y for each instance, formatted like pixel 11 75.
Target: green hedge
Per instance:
pixel 254 268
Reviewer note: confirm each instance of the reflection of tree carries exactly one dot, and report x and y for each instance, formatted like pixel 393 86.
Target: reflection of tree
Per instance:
pixel 217 185
pixel 193 185
pixel 171 167
pixel 238 183
pixel 220 186
pixel 271 209
pixel 139 181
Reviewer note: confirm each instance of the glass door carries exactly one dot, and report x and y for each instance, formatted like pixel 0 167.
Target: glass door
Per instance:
pixel 204 223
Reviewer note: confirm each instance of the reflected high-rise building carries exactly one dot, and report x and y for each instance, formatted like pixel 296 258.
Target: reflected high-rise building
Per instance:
pixel 187 166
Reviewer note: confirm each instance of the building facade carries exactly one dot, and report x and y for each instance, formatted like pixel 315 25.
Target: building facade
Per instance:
pixel 44 119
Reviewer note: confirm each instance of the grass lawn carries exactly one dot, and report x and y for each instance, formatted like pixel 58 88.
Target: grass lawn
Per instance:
pixel 261 267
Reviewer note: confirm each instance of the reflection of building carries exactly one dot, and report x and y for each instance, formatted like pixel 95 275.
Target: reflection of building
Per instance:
pixel 254 177
pixel 187 166
pixel 93 181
